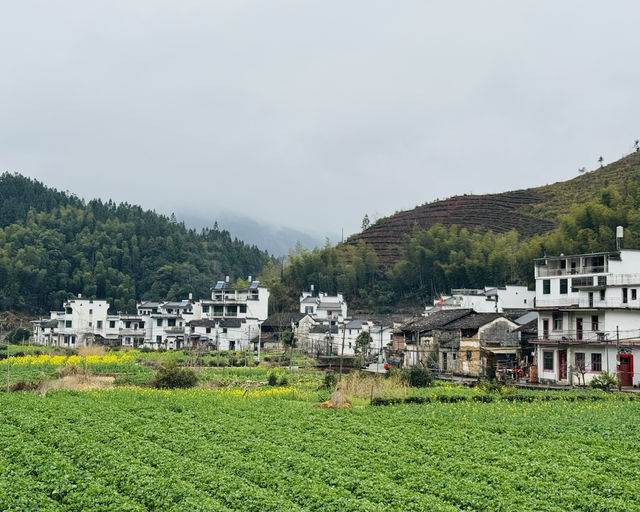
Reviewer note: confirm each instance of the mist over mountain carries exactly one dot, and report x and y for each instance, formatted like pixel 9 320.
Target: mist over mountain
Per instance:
pixel 276 240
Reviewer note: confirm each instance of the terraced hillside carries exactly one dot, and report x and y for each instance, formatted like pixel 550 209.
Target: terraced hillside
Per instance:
pixel 531 211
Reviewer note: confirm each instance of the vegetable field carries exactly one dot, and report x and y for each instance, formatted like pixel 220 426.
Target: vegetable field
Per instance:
pixel 264 450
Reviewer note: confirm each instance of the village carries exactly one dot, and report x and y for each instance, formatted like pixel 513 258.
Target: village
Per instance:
pixel 582 319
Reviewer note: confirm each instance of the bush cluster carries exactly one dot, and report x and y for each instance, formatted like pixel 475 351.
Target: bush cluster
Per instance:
pixel 170 376
pixel 420 377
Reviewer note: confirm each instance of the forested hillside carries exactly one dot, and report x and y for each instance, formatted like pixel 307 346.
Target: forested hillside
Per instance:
pixel 53 245
pixel 430 261
pixel 528 212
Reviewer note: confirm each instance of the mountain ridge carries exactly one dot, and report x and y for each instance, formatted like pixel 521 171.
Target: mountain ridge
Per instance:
pixel 529 211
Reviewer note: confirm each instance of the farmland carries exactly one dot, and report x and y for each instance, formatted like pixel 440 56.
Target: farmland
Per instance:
pixel 269 448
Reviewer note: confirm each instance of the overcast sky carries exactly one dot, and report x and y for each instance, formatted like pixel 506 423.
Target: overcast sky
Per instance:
pixel 309 114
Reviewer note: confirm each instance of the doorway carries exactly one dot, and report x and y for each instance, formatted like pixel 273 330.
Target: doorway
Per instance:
pixel 625 370
pixel 562 364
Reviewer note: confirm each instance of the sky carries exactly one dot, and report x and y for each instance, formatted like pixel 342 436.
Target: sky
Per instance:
pixel 307 115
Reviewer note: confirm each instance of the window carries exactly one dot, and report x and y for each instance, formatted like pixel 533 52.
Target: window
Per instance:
pixel 159 339
pixel 602 294
pixel 205 309
pixel 547 360
pixel 546 286
pixel 308 310
pixel 99 324
pixel 564 286
pixel 91 311
pixel 455 356
pixel 68 324
pixel 69 311
pixel 127 324
pixel 580 361
pixel 468 355
pixel 159 322
pixel 625 295
pixel 243 308
pixel 218 310
pixel 208 330
pixel 596 362
pixel 112 324
pixel 90 324
pixel 595 325
pixel 444 360
pixel 634 295
pixel 232 310
pixel 171 322
pixel 557 321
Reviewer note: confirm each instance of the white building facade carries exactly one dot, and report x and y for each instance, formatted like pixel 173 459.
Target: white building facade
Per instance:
pixel 588 317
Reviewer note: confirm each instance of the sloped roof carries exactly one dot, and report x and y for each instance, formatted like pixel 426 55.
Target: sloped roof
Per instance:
pixel 147 305
pixel 473 321
pixel 283 320
pixel 435 320
pixel 205 322
pixel 529 328
pixel 320 329
pixel 309 300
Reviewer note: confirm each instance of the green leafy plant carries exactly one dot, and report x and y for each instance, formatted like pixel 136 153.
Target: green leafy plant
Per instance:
pixel 606 381
pixel 170 376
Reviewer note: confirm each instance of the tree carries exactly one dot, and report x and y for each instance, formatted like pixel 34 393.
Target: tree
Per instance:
pixel 289 340
pixel 365 222
pixel 363 342
pixel 636 145
pixel 582 170
pixel 600 160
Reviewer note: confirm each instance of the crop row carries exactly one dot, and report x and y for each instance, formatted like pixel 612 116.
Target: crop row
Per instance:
pixel 135 449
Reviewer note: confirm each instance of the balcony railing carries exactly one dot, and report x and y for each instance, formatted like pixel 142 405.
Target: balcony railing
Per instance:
pixel 543 271
pixel 584 302
pixel 623 337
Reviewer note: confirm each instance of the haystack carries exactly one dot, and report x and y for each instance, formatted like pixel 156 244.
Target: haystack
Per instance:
pixel 337 400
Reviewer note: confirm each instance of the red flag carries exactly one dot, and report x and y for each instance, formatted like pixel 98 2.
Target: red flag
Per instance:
pixel 441 301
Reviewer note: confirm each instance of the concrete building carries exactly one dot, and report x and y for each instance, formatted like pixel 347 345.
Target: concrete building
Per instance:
pixel 589 316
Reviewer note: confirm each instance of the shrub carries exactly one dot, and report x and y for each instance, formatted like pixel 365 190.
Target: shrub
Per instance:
pixel 330 379
pixel 605 381
pixel 170 376
pixel 283 381
pixel 272 379
pixel 420 377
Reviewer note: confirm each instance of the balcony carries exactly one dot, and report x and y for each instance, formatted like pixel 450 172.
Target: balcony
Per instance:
pixel 132 332
pixel 584 303
pixel 544 271
pixel 174 330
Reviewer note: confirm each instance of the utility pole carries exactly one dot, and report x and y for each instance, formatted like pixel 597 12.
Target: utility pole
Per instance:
pixel 344 332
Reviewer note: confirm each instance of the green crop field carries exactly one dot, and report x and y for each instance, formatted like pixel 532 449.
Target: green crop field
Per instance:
pixel 267 449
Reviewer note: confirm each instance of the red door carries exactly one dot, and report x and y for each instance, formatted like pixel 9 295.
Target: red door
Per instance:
pixel 562 364
pixel 624 370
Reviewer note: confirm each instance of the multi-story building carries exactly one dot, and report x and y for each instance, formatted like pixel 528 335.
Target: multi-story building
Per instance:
pixel 589 316
pixel 80 322
pixel 332 308
pixel 491 299
pixel 230 320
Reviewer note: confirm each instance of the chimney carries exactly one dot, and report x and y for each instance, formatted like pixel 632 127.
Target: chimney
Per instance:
pixel 227 279
pixel 619 237
pixel 249 279
pixel 190 296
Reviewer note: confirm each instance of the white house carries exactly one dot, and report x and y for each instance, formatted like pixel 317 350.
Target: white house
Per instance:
pixel 589 316
pixel 490 299
pixel 79 323
pixel 323 306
